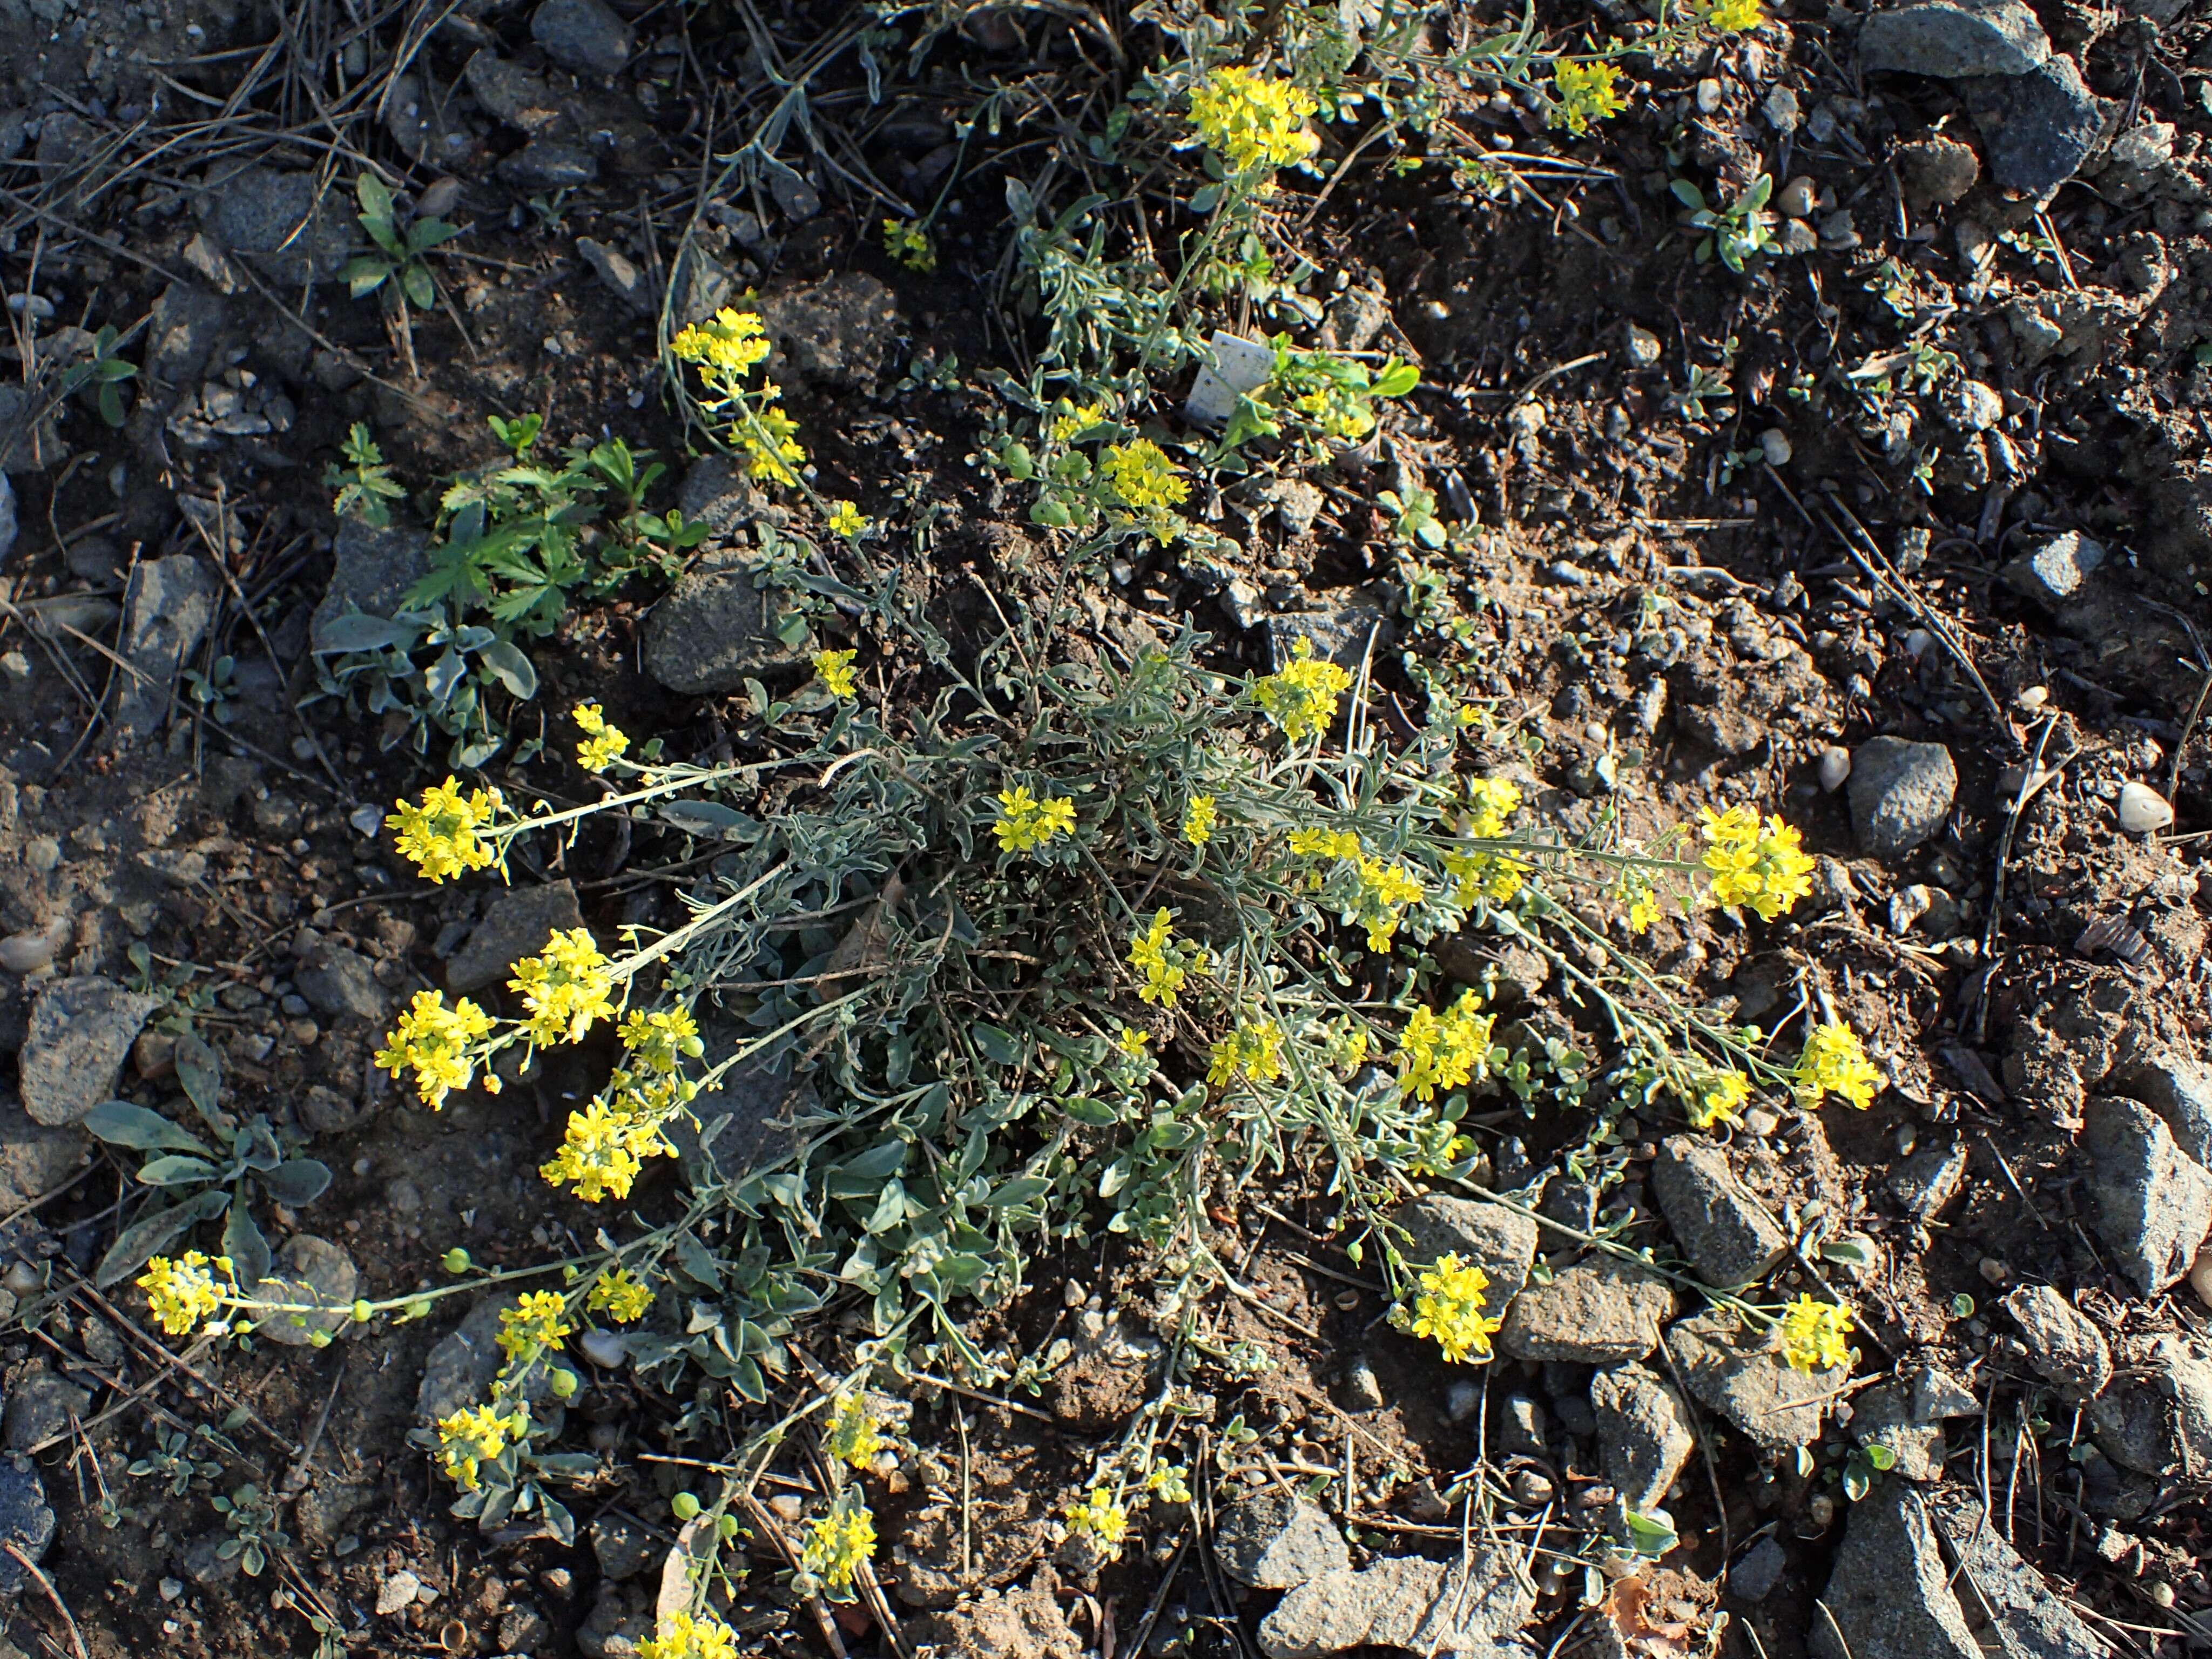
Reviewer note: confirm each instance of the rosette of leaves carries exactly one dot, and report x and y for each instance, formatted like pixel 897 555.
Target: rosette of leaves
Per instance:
pixel 399 249
pixel 199 1178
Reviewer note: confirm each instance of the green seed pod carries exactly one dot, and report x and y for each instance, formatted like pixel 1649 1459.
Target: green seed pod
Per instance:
pixel 362 1313
pixel 456 1260
pixel 685 1506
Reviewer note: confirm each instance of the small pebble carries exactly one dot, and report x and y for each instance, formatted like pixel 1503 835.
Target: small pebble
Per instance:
pixel 1708 96
pixel 1835 767
pixel 2032 696
pixel 1461 1400
pixel 1531 1488
pixel 603 1348
pixel 1794 199
pixel 1995 1270
pixel 2200 1276
pixel 2142 809
pixel 1761 1122
pixel 1072 1295
pixel 1774 444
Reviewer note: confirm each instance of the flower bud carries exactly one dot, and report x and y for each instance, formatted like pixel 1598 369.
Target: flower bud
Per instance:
pixel 362 1313
pixel 456 1260
pixel 565 1383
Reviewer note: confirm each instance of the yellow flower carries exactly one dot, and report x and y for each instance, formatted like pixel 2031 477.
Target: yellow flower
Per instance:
pixel 1450 1308
pixel 1102 1518
pixel 1816 1336
pixel 433 1042
pixel 1642 911
pixel 1076 419
pixel 604 1149
pixel 1163 962
pixel 765 433
pixel 731 341
pixel 1763 867
pixel 1316 843
pixel 1445 1053
pixel 565 990
pixel 1133 1042
pixel 835 669
pixel 470 1438
pixel 1385 890
pixel 1582 94
pixel 662 1040
pixel 1169 1482
pixel 441 834
pixel 1198 820
pixel 909 244
pixel 1303 697
pixel 1144 481
pixel 1716 1098
pixel 847 520
pixel 1251 120
pixel 1491 803
pixel 852 1436
pixel 1026 824
pixel 539 1321
pixel 1735 16
pixel 1835 1063
pixel 839 1543
pixel 688 1636
pixel 1255 1049
pixel 602 744
pixel 622 1298
pixel 183 1293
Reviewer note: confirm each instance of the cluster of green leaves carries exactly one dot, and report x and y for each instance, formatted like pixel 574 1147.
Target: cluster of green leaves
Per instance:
pixel 400 248
pixel 1737 234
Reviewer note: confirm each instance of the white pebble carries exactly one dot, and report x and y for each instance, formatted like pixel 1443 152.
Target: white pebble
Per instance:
pixel 603 1348
pixel 2200 1276
pixel 1835 766
pixel 1774 444
pixel 2142 809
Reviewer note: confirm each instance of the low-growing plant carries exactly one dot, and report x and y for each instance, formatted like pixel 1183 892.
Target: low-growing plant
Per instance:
pixel 1740 232
pixel 399 259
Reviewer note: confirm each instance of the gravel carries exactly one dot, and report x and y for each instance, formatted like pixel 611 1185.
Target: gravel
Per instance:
pixel 1726 1232
pixel 1600 1311
pixel 1274 1540
pixel 1900 794
pixel 1949 38
pixel 81 1030
pixel 2153 1201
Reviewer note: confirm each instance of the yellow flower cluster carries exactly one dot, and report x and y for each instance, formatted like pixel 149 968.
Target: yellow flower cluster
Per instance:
pixel 1385 890
pixel 1497 877
pixel 1835 1063
pixel 1132 1042
pixel 686 1636
pixel 1490 804
pixel 1252 120
pixel 852 1436
pixel 840 1543
pixel 434 1042
pixel 539 1321
pixel 1301 697
pixel 835 669
pixel 1169 1482
pixel 731 341
pixel 1316 843
pixel 1164 963
pixel 1074 419
pixel 1146 482
pixel 468 1439
pixel 909 244
pixel 1026 824
pixel 1450 1308
pixel 1735 16
pixel 1816 1336
pixel 606 1144
pixel 1584 93
pixel 1764 867
pixel 566 990
pixel 602 744
pixel 847 520
pixel 1198 820
pixel 183 1293
pixel 440 836
pixel 1715 1097
pixel 1336 416
pixel 620 1296
pixel 1445 1053
pixel 1101 1517
pixel 1255 1047
pixel 725 349
pixel 767 436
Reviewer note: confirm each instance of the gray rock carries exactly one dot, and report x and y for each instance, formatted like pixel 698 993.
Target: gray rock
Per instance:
pixel 2065 1346
pixel 1937 173
pixel 1884 1415
pixel 371 571
pixel 1362 1390
pixel 326 1111
pixel 2037 128
pixel 2158 1421
pixel 1949 38
pixel 1297 504
pixel 583 36
pixel 2054 572
pixel 26 1519
pixel 289 226
pixel 1340 630
pixel 2132 1426
pixel 2154 1202
pixel 167 611
pixel 549 164
pixel 717 493
pixel 616 268
pixel 80 1031
pixel 1971 405
pixel 309 1271
pixel 624 1546
pixel 1520 1429
pixel 36 1158
pixel 716 629
pixel 2184 1367
pixel 752 1117
pixel 1758 1571
pixel 457 1372
pixel 2026 1618
pixel 41 1405
pixel 1890 1592
pixel 1725 1231
pixel 1930 1179
pixel 516 924
pixel 1742 1374
pixel 7 526
pixel 1499 1240
pixel 342 983
pixel 699 285
pixel 511 94
pixel 2180 1091
pixel 1401 1601
pixel 423 122
pixel 836 332
pixel 1900 794
pixel 1274 1540
pixel 1644 1430
pixel 1600 1311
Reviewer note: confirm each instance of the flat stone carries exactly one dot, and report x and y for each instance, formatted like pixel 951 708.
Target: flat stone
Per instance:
pixel 167 611
pixel 27 1521
pixel 1401 1602
pixel 716 629
pixel 549 164
pixel 1885 1416
pixel 2158 1421
pixel 312 1272
pixel 2154 1202
pixel 2180 1091
pixel 81 1031
pixel 36 1158
pixel 620 274
pixel 624 1547
pixel 1938 172
pixel 1343 631
pixel 343 983
pixel 1756 1574
pixel 2029 1620
pixel 2053 573
pixel 836 332
pixel 1499 1240
pixel 1948 39
pixel 1274 1540
pixel 1600 1311
pixel 2036 127
pixel 1890 1591
pixel 371 571
pixel 1900 794
pixel 1727 1233
pixel 186 327
pixel 583 36
pixel 1644 1432
pixel 1741 1374
pixel 1930 1179
pixel 41 1405
pixel 509 93
pixel 2065 1346
pixel 718 493
pixel 516 924
pixel 290 226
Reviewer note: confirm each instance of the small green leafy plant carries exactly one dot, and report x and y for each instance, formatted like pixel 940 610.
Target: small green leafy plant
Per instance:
pixel 1739 232
pixel 364 484
pixel 399 259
